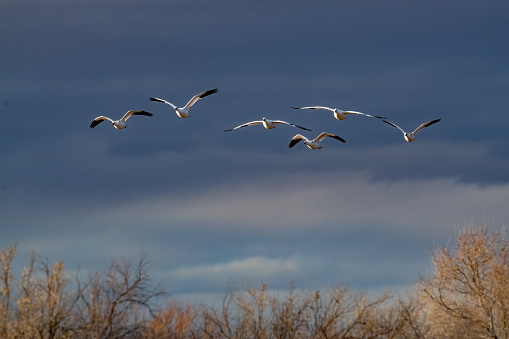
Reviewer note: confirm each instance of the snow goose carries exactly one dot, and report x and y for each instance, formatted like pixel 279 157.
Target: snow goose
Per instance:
pixel 411 136
pixel 339 114
pixel 268 124
pixel 315 143
pixel 118 124
pixel 183 112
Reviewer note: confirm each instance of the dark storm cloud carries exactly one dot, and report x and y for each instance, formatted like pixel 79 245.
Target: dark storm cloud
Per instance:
pixel 336 52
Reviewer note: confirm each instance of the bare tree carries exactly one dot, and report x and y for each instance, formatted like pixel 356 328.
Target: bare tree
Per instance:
pixel 411 318
pixel 290 315
pixel 228 322
pixel 118 302
pixel 468 295
pixel 327 311
pixel 6 257
pixel 45 305
pixel 339 313
pixel 174 321
pixel 330 313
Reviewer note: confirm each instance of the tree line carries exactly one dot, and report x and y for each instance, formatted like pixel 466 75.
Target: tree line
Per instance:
pixel 466 296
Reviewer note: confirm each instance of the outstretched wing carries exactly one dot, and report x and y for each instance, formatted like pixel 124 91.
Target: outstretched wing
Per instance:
pixel 287 123
pixel 244 125
pixel 367 115
pixel 426 124
pixel 163 101
pixel 131 113
pixel 98 120
pixel 394 125
pixel 330 135
pixel 199 96
pixel 315 107
pixel 296 139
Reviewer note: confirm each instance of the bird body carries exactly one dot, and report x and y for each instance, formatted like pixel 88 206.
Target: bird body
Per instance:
pixel 315 143
pixel 267 123
pixel 183 112
pixel 339 114
pixel 411 136
pixel 121 123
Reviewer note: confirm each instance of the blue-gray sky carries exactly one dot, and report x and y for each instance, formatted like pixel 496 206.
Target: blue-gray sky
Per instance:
pixel 210 207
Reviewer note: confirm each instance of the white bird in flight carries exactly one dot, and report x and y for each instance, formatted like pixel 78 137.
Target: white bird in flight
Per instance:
pixel 411 136
pixel 121 123
pixel 183 112
pixel 339 114
pixel 315 143
pixel 268 124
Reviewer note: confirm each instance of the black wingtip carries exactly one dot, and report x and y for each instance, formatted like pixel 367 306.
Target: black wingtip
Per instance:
pixel 145 113
pixel 432 122
pixel 209 92
pixel 294 142
pixel 339 138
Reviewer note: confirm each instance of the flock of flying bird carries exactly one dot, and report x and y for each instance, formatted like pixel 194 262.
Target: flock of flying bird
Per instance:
pixel 183 112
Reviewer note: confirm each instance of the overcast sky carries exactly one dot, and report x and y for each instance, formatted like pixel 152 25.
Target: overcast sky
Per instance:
pixel 210 207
